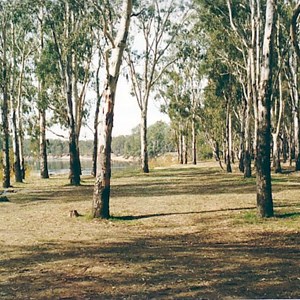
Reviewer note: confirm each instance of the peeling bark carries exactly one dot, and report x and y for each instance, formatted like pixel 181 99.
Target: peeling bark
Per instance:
pixel 101 196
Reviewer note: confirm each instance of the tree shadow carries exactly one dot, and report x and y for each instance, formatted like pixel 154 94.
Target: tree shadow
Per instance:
pixel 181 266
pixel 288 215
pixel 139 217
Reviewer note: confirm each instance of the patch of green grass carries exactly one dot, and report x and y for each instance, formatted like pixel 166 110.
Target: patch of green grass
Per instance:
pixel 251 218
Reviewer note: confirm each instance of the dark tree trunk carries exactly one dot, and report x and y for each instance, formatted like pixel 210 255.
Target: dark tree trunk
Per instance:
pixel 74 160
pixel 43 146
pixel 263 163
pixel 194 142
pixel 180 147
pixel 16 148
pixel 44 173
pixel 228 138
pixel 144 146
pixel 276 153
pixel 284 146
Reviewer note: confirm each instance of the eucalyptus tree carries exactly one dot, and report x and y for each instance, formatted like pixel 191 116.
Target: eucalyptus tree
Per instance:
pixel 42 93
pixel 17 47
pixel 182 88
pixel 251 33
pixel 71 41
pixel 293 80
pixel 231 26
pixel 156 26
pixel 173 90
pixel 4 91
pixel 263 171
pixel 116 32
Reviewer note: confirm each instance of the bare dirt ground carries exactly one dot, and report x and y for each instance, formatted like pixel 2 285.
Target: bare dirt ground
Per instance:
pixel 177 233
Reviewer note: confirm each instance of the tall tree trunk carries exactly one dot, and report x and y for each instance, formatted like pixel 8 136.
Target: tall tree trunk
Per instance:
pixel 96 120
pixel 15 140
pixel 294 71
pixel 278 112
pixel 263 168
pixel 249 102
pixel 16 146
pixel 228 149
pixel 102 186
pixel 180 146
pixel 241 154
pixel 101 195
pixel 144 146
pixel 73 147
pixel 284 145
pixel 74 160
pixel 5 126
pixel 44 172
pixel 19 116
pixel 184 149
pixel 276 153
pixel 194 142
pixel 69 89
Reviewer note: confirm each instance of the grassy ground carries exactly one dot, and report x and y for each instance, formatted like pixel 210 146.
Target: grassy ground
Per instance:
pixel 177 233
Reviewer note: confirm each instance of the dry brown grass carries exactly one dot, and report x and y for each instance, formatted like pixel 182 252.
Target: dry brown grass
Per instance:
pixel 176 233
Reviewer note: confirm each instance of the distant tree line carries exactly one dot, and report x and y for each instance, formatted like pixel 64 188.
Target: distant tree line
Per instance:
pixel 160 140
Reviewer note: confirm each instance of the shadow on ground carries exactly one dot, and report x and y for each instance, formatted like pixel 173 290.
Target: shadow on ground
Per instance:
pixel 168 182
pixel 190 266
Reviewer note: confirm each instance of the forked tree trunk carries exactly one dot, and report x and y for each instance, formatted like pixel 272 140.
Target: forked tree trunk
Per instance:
pixel 144 146
pixel 263 167
pixel 101 196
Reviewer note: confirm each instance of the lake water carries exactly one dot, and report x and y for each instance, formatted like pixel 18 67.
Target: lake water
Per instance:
pixel 62 166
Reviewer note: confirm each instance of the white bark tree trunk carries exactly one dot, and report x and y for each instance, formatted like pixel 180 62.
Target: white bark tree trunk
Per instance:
pixel 101 194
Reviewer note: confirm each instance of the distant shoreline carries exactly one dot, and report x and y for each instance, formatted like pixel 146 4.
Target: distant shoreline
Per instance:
pixel 87 157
